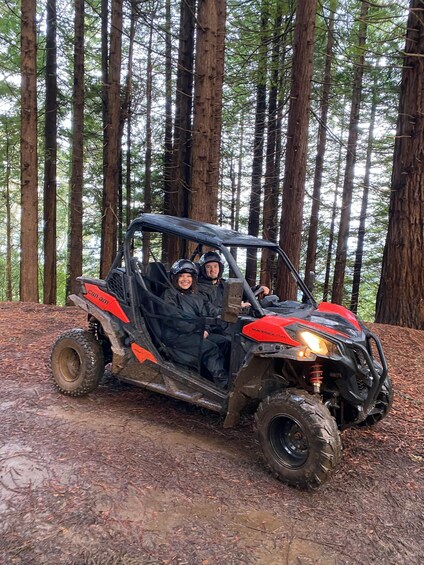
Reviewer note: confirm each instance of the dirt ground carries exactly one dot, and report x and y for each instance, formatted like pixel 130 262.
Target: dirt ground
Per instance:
pixel 124 476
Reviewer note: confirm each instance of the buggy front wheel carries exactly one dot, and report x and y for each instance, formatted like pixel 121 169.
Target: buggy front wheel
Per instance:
pixel 77 362
pixel 299 438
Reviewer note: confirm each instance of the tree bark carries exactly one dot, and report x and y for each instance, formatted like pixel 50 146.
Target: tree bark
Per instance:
pixel 126 118
pixel 272 169
pixel 29 173
pixel 168 111
pixel 342 241
pixel 181 151
pixel 357 268
pixel 297 138
pixel 258 144
pixel 203 201
pixel 331 235
pixel 110 194
pixel 75 248
pixel 9 293
pixel 400 298
pixel 50 157
pixel 321 147
pixel 148 154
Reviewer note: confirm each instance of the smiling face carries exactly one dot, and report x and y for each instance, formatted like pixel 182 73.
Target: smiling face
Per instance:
pixel 212 270
pixel 184 281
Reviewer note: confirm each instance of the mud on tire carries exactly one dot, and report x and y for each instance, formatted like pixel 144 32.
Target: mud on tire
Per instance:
pixel 299 438
pixel 76 362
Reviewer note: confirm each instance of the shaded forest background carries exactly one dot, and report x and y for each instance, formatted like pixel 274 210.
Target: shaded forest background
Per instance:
pixel 298 121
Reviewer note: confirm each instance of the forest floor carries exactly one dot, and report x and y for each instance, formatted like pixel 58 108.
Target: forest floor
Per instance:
pixel 125 476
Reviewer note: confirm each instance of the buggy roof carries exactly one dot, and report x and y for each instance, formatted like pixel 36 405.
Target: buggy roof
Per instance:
pixel 200 232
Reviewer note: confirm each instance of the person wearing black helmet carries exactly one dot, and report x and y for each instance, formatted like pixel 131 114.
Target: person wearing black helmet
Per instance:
pixel 211 268
pixel 186 334
pixel 211 283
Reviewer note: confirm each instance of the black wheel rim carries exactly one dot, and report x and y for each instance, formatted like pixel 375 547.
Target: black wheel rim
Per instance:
pixel 70 365
pixel 288 441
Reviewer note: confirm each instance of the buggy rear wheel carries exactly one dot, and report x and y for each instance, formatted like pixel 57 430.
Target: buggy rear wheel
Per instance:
pixel 299 438
pixel 76 362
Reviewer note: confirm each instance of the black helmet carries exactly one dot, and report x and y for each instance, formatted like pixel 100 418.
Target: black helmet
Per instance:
pixel 182 266
pixel 211 257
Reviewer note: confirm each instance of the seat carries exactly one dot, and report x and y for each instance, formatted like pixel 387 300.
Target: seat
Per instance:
pixel 157 277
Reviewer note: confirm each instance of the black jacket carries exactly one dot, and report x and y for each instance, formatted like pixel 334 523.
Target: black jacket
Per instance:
pixel 213 292
pixel 183 329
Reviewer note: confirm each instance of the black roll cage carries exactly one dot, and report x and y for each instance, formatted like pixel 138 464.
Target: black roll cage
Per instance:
pixel 216 237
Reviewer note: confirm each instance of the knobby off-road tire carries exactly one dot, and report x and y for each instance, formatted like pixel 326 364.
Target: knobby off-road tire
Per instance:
pixel 76 362
pixel 299 438
pixel 382 406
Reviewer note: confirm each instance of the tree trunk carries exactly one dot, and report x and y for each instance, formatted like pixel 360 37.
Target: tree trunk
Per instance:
pixel 29 196
pixel 126 118
pixel 321 147
pixel 342 241
pixel 218 81
pixel 297 138
pixel 50 156
pixel 258 143
pixel 270 204
pixel 331 235
pixel 357 269
pixel 400 298
pixel 168 111
pixel 181 151
pixel 75 249
pixel 9 293
pixel 148 154
pixel 110 195
pixel 203 199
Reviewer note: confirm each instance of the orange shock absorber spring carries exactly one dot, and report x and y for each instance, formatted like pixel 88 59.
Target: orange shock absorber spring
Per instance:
pixel 315 377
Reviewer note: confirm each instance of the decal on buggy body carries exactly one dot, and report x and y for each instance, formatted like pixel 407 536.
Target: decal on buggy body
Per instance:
pixel 142 354
pixel 271 328
pixel 105 301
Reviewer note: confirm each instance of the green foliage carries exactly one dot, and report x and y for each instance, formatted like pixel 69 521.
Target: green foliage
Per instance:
pixel 245 45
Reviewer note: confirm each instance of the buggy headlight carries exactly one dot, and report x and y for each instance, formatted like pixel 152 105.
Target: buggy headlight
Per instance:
pixel 318 344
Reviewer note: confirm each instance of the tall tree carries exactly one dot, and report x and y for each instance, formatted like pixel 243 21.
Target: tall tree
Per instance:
pixel 297 137
pixel 110 193
pixel 321 147
pixel 352 142
pixel 148 153
pixel 357 268
pixel 203 202
pixel 76 189
pixel 272 170
pixel 167 175
pixel 29 172
pixel 126 118
pixel 181 150
pixel 9 294
pixel 400 298
pixel 50 157
pixel 258 142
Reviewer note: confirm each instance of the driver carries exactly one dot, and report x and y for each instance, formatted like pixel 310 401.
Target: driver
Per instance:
pixel 211 283
pixel 182 335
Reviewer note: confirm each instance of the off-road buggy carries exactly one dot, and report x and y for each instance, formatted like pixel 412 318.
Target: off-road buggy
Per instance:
pixel 306 371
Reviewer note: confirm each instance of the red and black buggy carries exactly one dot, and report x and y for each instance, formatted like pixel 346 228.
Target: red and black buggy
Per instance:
pixel 306 371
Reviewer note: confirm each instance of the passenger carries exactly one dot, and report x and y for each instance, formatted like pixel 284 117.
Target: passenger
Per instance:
pixel 182 335
pixel 211 283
